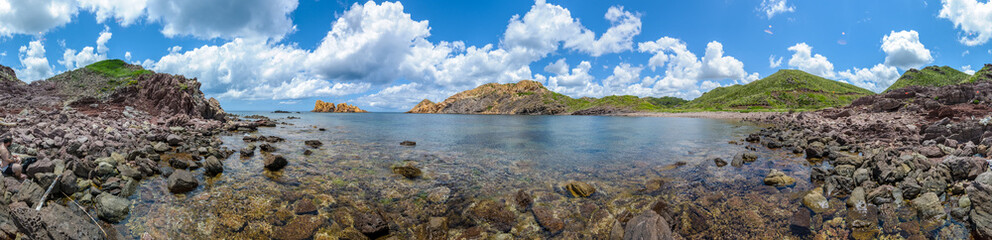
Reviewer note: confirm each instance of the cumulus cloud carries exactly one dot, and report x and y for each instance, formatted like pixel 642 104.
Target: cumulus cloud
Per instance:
pixel 73 59
pixel 545 26
pixel 804 59
pixel 35 64
pixel 876 78
pixel 971 16
pixel 717 66
pixel 34 17
pixel 262 19
pixel 124 12
pixel 774 62
pixel 774 7
pixel 904 50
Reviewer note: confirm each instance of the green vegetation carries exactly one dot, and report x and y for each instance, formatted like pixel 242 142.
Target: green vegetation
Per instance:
pixel 666 102
pixel 786 89
pixel 985 74
pixel 625 101
pixel 116 68
pixel 929 76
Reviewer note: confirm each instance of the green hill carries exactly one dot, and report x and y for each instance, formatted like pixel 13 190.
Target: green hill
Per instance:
pixel 929 76
pixel 98 79
pixel 982 75
pixel 786 89
pixel 623 102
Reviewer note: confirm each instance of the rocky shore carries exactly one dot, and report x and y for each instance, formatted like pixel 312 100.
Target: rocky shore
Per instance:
pixel 910 163
pixel 329 107
pixel 94 147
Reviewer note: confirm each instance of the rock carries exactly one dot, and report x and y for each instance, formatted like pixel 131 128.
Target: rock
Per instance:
pixel 887 105
pixel 928 206
pixel 321 106
pixel 815 150
pixel 182 181
pixel 647 226
pixel 494 213
pixel 845 170
pixel 857 199
pixel 814 200
pixel 548 221
pixel 105 169
pixel 799 223
pixel 174 140
pixel 313 143
pixel 265 147
pixel 161 147
pixel 41 166
pixel 965 168
pixel 29 193
pixel 438 194
pixel 112 208
pixel 408 171
pixel 861 175
pixel 65 223
pixel 212 166
pixel 128 171
pixel 371 224
pixel 436 228
pixel 580 189
pixel 745 157
pixel 67 183
pixel 525 98
pixel 408 143
pixel 931 151
pixel 779 179
pixel 304 206
pixel 299 228
pixel 980 195
pixel 248 151
pixel 275 162
pixel 524 200
pixel 719 162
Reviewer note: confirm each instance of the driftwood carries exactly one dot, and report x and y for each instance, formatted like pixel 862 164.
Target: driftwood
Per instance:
pixel 43 197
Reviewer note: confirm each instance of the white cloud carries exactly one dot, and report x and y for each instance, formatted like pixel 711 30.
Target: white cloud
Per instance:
pixel 971 16
pixel 73 59
pixel 876 78
pixel 618 38
pixel 35 64
pixel 579 76
pixel 904 50
pixel 229 19
pixel 774 62
pixel 803 59
pixel 540 31
pixel 124 12
pixel 717 66
pixel 34 17
pixel 127 56
pixel 558 67
pixel 774 7
pixel 967 69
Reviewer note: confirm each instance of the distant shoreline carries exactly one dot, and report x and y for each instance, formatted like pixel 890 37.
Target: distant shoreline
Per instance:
pixel 711 115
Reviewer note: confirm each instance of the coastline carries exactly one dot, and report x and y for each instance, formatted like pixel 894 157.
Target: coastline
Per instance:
pixel 710 115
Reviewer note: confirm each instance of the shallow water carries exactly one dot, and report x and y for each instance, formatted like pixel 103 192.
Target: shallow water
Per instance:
pixel 631 161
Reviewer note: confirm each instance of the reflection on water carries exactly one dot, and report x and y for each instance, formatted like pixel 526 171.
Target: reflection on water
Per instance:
pixel 468 160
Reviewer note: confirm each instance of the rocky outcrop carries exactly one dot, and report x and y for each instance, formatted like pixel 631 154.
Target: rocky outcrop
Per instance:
pixel 7 75
pixel 522 98
pixel 329 107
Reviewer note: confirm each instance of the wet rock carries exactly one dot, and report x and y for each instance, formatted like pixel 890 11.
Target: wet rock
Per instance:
pixel 182 181
pixel 814 200
pixel 174 140
pixel 799 223
pixel 112 208
pixel 371 224
pixel 857 199
pixel 524 200
pixel 299 228
pixel 307 152
pixel 438 194
pixel 275 162
pixel 313 143
pixel 844 170
pixel 435 229
pixel 580 189
pixel 212 166
pixel 548 221
pixel 67 183
pixel 179 163
pixel 248 151
pixel 265 147
pixel 745 157
pixel 861 175
pixel 980 197
pixel 494 213
pixel 408 143
pixel 881 195
pixel 839 185
pixel 408 171
pixel 647 226
pixel 304 206
pixel 779 179
pixel 816 150
pixel 928 206
pixel 128 171
pixel 719 162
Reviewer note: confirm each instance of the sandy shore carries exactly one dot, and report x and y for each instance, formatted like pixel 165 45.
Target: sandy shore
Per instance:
pixel 713 115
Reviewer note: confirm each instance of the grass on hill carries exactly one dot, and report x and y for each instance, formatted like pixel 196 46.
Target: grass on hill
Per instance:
pixel 985 74
pixel 929 76
pixel 786 89
pixel 116 68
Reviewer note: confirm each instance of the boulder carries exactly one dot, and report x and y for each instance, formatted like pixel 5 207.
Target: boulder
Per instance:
pixel 161 147
pixel 267 147
pixel 647 226
pixel 41 166
pixel 182 181
pixel 580 189
pixel 719 162
pixel 275 162
pixel 928 206
pixel 212 166
pixel 299 228
pixel 112 208
pixel 313 143
pixel 980 197
pixel 29 193
pixel 745 157
pixel 371 224
pixel 965 168
pixel 779 179
pixel 174 140
pixel 408 171
pixel 547 219
pixel 496 214
pixel 799 223
pixel 814 200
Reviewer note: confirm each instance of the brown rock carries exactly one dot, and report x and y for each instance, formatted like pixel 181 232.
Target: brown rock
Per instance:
pixel 304 206
pixel 494 213
pixel 321 106
pixel 409 172
pixel 546 218
pixel 275 162
pixel 299 228
pixel 580 189
pixel 371 224
pixel 647 226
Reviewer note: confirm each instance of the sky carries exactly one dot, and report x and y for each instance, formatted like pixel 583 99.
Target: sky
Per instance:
pixel 388 56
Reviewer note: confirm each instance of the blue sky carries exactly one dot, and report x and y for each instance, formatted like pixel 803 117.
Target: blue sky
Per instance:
pixel 387 56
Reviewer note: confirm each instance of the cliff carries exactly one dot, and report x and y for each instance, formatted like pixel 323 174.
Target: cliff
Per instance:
pixel 524 98
pixel 329 107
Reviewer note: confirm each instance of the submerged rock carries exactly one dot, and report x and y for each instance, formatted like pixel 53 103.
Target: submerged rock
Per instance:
pixel 745 157
pixel 182 181
pixel 524 200
pixel 112 208
pixel 494 213
pixel 212 166
pixel 409 171
pixel 371 224
pixel 799 223
pixel 580 189
pixel 814 200
pixel 408 143
pixel 547 219
pixel 275 162
pixel 299 228
pixel 313 143
pixel 719 162
pixel 647 226
pixel 779 179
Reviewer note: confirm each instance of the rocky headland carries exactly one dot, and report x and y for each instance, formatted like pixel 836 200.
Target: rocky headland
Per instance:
pixel 912 162
pixel 97 132
pixel 329 107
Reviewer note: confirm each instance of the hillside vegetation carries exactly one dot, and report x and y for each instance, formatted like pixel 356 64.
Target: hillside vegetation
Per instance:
pixel 786 89
pixel 929 76
pixel 985 74
pixel 100 78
